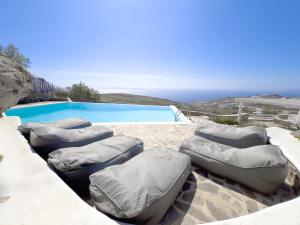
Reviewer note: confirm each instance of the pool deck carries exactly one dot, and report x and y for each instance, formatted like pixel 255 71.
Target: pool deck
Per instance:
pixel 30 193
pixel 204 197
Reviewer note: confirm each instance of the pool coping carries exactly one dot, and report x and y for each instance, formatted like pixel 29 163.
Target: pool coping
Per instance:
pixel 178 113
pixel 33 105
pixel 38 104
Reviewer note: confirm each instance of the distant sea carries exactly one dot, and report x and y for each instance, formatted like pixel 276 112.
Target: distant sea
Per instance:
pixel 189 96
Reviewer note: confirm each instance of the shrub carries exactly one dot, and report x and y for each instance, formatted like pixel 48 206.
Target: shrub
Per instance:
pixel 222 120
pixel 1 157
pixel 79 93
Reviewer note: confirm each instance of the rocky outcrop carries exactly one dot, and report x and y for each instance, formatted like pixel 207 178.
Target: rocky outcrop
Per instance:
pixel 15 83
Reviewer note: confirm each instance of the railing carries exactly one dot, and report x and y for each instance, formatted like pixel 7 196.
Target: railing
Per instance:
pixel 177 115
pixel 186 110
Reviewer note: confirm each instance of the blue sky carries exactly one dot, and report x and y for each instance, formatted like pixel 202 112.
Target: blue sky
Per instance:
pixel 159 44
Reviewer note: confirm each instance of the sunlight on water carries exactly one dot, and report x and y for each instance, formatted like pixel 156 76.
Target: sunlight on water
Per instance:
pixel 94 112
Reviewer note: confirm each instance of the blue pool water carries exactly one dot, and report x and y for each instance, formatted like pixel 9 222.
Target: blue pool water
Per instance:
pixel 94 112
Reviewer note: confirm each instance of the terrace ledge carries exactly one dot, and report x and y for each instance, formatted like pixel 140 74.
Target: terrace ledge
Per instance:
pixel 31 193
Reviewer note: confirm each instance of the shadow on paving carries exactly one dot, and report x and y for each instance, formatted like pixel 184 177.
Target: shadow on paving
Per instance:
pixel 206 197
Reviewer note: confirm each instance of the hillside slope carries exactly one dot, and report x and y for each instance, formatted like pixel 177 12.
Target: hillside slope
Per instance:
pixel 137 99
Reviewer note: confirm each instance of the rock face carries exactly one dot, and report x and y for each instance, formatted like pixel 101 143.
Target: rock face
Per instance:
pixel 15 83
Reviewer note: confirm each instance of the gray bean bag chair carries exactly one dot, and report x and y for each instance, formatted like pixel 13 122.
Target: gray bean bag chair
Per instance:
pixel 239 137
pixel 262 168
pixel 70 123
pixel 76 164
pixel 47 139
pixel 142 189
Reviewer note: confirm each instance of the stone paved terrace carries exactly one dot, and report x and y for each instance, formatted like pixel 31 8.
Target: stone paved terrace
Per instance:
pixel 204 197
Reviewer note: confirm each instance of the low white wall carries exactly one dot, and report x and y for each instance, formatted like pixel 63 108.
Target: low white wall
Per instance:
pixel 31 193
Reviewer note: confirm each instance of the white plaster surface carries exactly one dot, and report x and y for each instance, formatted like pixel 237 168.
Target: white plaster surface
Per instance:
pixel 180 115
pixel 31 193
pixel 288 143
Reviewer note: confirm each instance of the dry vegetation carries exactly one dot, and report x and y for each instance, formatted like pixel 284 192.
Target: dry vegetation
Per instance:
pixel 138 99
pixel 228 121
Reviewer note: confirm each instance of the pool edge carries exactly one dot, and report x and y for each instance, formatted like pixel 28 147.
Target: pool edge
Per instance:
pixel 182 118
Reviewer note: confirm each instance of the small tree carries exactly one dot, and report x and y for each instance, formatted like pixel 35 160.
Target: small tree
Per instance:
pixel 82 93
pixel 14 54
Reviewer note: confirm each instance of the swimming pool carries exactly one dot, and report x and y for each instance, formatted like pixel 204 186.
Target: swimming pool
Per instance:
pixel 95 112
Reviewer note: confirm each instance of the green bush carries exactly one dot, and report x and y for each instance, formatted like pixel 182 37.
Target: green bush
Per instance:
pixel 1 157
pixel 79 93
pixel 222 120
pixel 298 137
